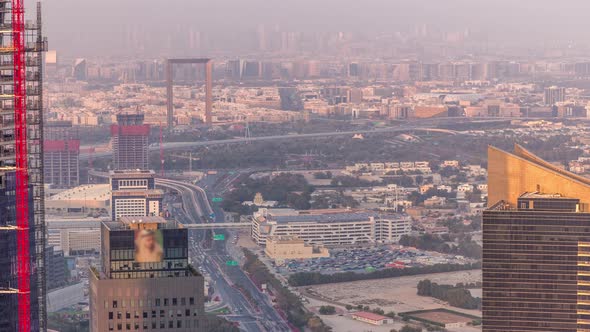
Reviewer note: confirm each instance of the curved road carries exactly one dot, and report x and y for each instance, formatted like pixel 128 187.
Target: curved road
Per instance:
pixel 253 315
pixel 186 145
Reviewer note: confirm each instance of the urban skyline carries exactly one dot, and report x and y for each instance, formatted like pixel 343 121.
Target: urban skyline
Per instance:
pixel 330 166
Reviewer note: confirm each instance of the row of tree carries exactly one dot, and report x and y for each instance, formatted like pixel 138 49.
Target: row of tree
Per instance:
pixel 431 242
pixel 457 296
pixel 288 302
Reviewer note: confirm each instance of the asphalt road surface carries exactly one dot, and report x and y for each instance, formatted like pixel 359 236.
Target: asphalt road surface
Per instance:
pixel 255 315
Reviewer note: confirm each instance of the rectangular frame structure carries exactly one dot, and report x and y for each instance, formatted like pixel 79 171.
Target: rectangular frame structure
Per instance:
pixel 208 87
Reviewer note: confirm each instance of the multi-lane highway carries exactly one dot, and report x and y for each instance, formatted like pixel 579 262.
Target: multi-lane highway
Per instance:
pixel 254 314
pixel 187 145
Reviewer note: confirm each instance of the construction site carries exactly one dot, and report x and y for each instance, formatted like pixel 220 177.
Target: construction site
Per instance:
pixel 22 225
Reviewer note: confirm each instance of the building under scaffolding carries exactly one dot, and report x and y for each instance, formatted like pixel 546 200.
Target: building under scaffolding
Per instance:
pixel 22 219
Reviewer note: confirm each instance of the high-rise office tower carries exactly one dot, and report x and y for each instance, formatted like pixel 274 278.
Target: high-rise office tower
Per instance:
pixel 536 246
pixel 80 70
pixel 130 142
pixel 61 154
pixel 553 95
pixel 22 225
pixel 145 281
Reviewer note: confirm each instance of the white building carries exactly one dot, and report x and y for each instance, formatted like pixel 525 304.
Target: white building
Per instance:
pixel 331 227
pixel 134 194
pixel 465 188
pixel 74 236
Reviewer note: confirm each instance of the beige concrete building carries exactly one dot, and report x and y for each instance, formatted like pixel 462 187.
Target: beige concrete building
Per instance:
pixel 291 247
pixel 74 236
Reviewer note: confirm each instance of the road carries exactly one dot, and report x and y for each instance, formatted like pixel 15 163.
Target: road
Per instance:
pixel 256 314
pixel 186 145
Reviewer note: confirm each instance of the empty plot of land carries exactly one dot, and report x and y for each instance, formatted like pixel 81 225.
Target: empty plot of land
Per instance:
pixel 393 294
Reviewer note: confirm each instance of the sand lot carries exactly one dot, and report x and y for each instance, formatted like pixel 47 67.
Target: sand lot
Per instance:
pixel 393 294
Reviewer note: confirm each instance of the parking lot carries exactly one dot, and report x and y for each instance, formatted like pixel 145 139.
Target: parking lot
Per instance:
pixel 364 260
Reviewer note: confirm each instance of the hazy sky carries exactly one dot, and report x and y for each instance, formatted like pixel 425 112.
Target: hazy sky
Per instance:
pixel 97 26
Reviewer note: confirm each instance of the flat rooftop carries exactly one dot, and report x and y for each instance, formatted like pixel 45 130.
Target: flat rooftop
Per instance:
pixel 142 220
pixel 369 316
pixel 543 195
pixel 138 192
pixel 132 174
pixel 125 223
pixel 331 217
pixel 88 192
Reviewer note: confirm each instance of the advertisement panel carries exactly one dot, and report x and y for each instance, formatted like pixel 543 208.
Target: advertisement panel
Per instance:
pixel 149 246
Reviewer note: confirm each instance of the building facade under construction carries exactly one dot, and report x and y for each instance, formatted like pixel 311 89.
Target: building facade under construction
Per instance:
pixel 22 224
pixel 130 138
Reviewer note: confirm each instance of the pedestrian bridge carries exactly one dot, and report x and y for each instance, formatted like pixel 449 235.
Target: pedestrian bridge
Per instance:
pixel 218 225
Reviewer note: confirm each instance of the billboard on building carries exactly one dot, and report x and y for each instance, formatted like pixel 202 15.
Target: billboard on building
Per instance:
pixel 149 246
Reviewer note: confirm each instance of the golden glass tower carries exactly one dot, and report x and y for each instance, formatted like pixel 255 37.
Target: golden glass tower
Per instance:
pixel 536 246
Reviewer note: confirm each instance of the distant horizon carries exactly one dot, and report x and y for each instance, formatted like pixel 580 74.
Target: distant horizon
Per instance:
pixel 78 27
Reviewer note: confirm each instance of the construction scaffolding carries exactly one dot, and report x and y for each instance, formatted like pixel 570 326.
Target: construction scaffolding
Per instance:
pixel 21 137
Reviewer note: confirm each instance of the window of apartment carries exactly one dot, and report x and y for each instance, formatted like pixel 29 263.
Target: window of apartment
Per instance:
pixel 128 315
pixel 157 302
pixel 111 326
pixel 182 301
pixel 145 314
pixel 191 301
pixel 162 314
pixel 153 313
pixel 119 315
pixel 128 326
pixel 154 325
pixel 170 324
pixel 187 312
pixel 119 327
pixel 136 315
pixel 166 302
pixel 136 326
pixel 162 324
pixel 174 301
pixel 110 315
pixel 178 324
pixel 115 304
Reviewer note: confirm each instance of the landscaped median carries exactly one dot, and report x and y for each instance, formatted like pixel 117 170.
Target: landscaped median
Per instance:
pixel 287 302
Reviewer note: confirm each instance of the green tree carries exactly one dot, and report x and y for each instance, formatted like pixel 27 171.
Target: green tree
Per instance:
pixel 327 310
pixel 409 328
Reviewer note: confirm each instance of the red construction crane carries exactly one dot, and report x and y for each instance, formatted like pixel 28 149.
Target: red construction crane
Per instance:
pixel 161 151
pixel 22 177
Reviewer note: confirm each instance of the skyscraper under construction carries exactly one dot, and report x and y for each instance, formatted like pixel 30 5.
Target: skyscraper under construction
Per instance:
pixel 22 225
pixel 130 142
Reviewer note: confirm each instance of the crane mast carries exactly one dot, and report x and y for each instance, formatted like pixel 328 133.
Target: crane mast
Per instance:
pixel 22 174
